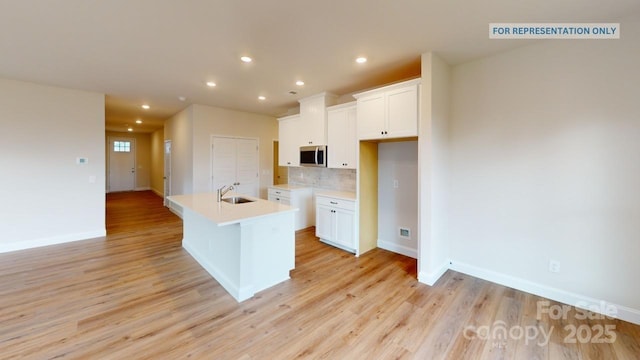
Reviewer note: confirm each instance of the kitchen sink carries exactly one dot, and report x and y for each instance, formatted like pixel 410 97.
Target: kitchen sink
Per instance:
pixel 237 200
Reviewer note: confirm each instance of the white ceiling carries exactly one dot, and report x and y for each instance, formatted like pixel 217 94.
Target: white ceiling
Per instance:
pixel 154 51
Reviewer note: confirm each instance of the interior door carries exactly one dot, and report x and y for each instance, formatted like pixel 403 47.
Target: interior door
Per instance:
pixel 247 167
pixel 122 166
pixel 234 161
pixel 223 164
pixel 167 170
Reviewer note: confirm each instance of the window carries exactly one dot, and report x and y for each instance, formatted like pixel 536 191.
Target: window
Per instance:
pixel 122 146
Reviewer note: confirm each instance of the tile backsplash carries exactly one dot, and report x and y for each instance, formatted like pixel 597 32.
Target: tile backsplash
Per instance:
pixel 324 178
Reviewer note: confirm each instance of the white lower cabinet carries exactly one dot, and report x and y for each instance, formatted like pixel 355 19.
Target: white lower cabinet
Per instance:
pixel 299 197
pixel 336 222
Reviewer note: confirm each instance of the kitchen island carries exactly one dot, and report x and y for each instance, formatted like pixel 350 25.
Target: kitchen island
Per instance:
pixel 246 247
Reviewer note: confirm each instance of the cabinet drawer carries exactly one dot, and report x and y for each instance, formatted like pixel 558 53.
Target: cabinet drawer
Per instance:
pixel 279 193
pixel 335 202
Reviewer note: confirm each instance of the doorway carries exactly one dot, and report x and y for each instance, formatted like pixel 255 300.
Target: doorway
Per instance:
pixel 167 171
pixel 280 173
pixel 122 164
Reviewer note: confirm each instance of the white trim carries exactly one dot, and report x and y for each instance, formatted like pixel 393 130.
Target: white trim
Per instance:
pixel 432 277
pixel 569 298
pixel 143 188
pixel 175 208
pixel 397 248
pixel 157 192
pixel 30 244
pixel 219 276
pixel 339 246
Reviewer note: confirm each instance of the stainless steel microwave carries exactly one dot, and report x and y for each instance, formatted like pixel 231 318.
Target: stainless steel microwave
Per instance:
pixel 315 155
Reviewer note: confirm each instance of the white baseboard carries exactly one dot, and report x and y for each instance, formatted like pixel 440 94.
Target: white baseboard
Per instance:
pixel 175 208
pixel 35 243
pixel 337 245
pixel 397 248
pixel 240 294
pixel 430 278
pixel 142 188
pixel 569 298
pixel 158 192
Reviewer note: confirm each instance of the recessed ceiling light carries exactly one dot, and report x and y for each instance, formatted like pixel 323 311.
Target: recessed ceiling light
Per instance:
pixel 146 107
pixel 246 59
pixel 262 98
pixel 361 60
pixel 299 82
pixel 138 121
pixel 130 129
pixel 211 84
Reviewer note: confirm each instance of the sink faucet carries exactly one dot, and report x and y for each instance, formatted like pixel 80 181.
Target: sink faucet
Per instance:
pixel 223 191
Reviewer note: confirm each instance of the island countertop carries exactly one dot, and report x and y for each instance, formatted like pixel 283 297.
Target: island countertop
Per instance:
pixel 223 213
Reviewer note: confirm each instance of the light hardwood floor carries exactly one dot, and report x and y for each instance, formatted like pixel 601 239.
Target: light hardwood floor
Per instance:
pixel 137 295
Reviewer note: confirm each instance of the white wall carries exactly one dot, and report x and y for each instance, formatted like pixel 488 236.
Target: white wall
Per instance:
pixel 157 162
pixel 210 120
pixel 398 207
pixel 48 198
pixel 190 132
pixel 433 169
pixel 545 165
pixel 179 129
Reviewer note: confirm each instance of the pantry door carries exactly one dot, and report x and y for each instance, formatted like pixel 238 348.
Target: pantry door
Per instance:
pixel 235 161
pixel 122 165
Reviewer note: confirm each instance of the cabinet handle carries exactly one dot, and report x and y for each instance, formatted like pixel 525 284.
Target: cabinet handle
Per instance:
pixel 333 202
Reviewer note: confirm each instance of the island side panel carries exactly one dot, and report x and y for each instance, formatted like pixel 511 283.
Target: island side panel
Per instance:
pixel 269 250
pixel 215 248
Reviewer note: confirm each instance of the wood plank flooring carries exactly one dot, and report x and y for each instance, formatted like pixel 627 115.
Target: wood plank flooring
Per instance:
pixel 136 294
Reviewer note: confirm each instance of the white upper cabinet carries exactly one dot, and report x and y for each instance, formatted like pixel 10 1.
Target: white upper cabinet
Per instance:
pixel 388 112
pixel 342 139
pixel 313 119
pixel 288 146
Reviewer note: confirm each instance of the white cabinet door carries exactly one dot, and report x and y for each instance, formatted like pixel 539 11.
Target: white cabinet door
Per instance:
pixel 313 130
pixel 324 222
pixel 336 222
pixel 371 116
pixel 234 161
pixel 313 115
pixel 402 112
pixel 344 228
pixel 341 137
pixel 288 141
pixel 388 112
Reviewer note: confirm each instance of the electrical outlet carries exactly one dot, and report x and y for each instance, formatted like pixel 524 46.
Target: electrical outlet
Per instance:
pixel 554 266
pixel 395 184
